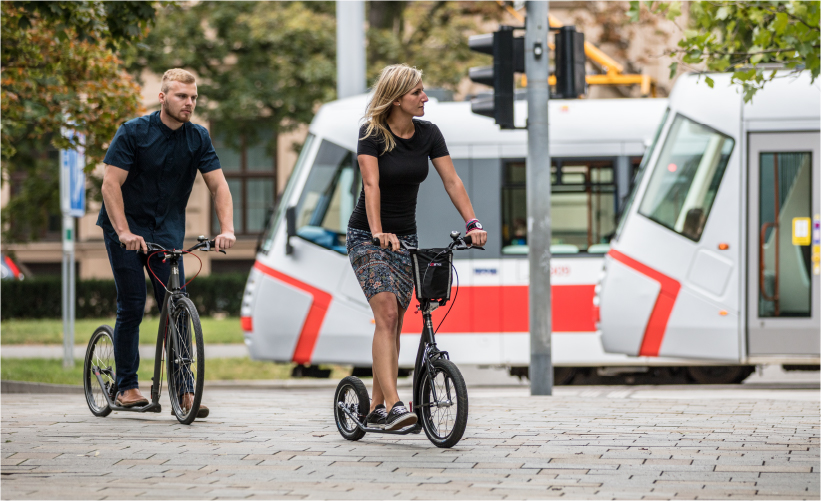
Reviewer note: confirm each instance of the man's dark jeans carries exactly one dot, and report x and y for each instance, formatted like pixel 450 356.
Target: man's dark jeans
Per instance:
pixel 128 266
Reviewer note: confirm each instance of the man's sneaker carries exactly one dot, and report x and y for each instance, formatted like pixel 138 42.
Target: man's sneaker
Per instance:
pixel 399 417
pixel 377 417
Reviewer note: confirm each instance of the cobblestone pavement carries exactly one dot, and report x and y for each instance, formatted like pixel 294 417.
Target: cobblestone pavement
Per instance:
pixel 612 442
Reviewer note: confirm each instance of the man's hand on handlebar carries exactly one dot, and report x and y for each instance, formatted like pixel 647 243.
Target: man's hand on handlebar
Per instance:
pixel 387 240
pixel 224 240
pixel 133 242
pixel 478 238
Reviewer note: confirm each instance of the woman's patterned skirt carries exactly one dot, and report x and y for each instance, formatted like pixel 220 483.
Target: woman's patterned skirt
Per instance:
pixel 381 270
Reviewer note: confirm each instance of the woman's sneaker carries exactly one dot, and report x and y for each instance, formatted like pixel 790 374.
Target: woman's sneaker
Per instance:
pixel 399 417
pixel 377 417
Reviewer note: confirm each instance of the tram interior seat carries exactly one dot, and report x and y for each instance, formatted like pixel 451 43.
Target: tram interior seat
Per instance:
pixel 522 250
pixel 598 248
pixel 322 237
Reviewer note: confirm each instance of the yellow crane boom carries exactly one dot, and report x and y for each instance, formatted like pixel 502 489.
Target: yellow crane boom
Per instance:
pixel 613 70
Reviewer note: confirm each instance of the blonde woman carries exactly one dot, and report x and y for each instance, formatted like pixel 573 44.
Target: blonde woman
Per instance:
pixel 393 155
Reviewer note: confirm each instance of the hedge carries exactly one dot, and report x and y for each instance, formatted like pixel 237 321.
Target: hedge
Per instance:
pixel 41 297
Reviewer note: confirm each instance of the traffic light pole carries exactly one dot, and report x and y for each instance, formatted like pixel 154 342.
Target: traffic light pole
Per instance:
pixel 538 198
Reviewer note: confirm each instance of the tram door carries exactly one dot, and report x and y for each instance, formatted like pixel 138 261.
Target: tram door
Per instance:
pixel 783 271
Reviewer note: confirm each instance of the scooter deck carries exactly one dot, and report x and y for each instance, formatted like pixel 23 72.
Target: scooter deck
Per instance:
pixel 414 428
pixel 152 407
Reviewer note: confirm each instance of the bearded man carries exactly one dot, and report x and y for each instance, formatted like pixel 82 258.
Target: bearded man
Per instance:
pixel 150 168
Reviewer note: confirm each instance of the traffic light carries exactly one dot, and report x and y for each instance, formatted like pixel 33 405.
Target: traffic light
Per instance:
pixel 570 59
pixel 508 58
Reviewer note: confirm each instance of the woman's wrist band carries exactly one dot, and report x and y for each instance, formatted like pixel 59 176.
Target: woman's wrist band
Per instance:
pixel 471 225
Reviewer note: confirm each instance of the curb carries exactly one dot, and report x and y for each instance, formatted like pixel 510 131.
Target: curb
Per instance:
pixel 27 387
pixel 272 384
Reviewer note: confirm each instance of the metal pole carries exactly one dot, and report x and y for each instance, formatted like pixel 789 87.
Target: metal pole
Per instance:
pixel 538 198
pixel 350 48
pixel 68 290
pixel 72 290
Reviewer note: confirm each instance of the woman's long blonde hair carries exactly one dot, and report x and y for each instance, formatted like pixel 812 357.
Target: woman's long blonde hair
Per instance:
pixel 394 82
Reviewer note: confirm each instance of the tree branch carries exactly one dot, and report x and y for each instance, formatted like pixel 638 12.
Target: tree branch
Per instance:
pixel 759 52
pixel 793 16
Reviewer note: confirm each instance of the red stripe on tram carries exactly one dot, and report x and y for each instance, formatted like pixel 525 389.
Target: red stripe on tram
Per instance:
pixel 657 323
pixel 499 309
pixel 316 314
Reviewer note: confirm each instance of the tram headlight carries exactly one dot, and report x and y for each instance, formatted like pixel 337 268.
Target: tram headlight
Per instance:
pixel 248 296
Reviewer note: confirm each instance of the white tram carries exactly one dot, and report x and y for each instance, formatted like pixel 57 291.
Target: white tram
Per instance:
pixel 303 304
pixel 717 256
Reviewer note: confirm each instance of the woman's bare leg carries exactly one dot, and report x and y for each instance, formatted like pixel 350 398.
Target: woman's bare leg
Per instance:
pixel 399 330
pixel 388 318
pixel 378 396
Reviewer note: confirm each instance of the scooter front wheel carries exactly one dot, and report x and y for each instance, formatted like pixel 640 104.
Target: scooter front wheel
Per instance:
pixel 444 404
pixel 351 394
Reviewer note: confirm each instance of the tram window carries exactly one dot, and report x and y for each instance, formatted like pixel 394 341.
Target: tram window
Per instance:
pixel 784 192
pixel 638 173
pixel 583 207
pixel 685 181
pixel 268 238
pixel 328 198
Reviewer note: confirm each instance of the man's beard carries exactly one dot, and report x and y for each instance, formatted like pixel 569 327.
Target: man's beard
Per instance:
pixel 179 117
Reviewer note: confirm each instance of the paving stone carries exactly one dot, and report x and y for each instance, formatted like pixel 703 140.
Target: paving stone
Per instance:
pixel 764 468
pixel 595 443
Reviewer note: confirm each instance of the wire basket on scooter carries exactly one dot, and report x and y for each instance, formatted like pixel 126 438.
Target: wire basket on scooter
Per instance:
pixel 432 275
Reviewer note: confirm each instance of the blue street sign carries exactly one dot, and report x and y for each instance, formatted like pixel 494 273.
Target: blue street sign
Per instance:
pixel 73 181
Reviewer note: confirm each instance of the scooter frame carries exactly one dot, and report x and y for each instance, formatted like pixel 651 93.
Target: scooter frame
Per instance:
pixel 173 292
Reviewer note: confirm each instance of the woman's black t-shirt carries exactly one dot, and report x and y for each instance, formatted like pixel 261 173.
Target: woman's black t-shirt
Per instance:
pixel 401 171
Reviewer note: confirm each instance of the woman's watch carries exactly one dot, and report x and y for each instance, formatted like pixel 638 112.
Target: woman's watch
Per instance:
pixel 471 225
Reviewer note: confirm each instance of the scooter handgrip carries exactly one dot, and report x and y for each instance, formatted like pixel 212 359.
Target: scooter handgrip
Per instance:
pixel 469 241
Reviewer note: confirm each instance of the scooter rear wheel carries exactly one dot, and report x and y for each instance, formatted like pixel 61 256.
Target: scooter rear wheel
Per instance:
pixel 351 393
pixel 100 354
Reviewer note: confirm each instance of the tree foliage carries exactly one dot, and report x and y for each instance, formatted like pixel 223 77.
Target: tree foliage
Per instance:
pixel 272 61
pixel 112 23
pixel 276 61
pixel 748 38
pixel 432 36
pixel 57 65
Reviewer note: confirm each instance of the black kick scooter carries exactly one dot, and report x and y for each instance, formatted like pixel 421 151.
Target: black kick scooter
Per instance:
pixel 440 398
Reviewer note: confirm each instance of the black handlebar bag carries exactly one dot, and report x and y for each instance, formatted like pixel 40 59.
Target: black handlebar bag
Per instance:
pixel 432 273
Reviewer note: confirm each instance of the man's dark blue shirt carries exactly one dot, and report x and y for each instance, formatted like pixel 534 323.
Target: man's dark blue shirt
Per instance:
pixel 162 165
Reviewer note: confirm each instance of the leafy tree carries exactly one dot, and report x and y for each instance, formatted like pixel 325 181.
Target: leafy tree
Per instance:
pixel 58 65
pixel 254 61
pixel 114 23
pixel 429 35
pixel 276 61
pixel 745 38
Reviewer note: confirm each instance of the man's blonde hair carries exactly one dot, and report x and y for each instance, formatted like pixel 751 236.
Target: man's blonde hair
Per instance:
pixel 176 75
pixel 394 82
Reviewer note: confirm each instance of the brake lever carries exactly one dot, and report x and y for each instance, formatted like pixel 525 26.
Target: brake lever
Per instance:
pixel 375 241
pixel 467 246
pixel 122 246
pixel 209 247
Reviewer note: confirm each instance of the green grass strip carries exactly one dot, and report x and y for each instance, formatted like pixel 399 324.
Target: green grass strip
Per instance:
pixel 40 370
pixel 50 331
